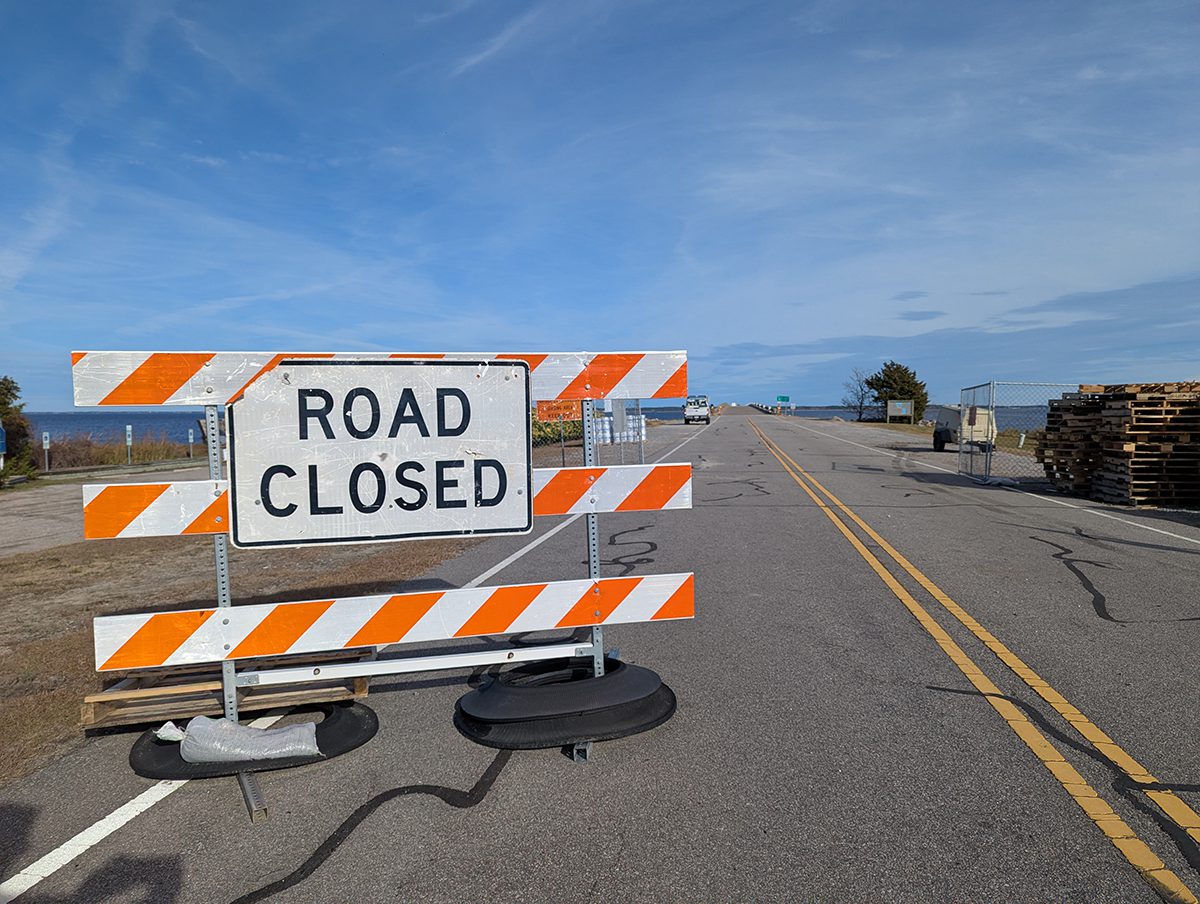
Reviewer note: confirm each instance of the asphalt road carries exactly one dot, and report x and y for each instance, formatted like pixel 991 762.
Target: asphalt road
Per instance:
pixel 826 747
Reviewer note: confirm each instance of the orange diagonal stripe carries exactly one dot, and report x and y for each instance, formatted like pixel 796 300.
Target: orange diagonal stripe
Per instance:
pixel 271 365
pixel 206 522
pixel 157 379
pixel 281 628
pixel 156 640
pixel 564 489
pixel 676 387
pixel 660 485
pixel 593 608
pixel 76 357
pixel 394 619
pixel 500 610
pixel 114 508
pixel 532 360
pixel 601 375
pixel 682 603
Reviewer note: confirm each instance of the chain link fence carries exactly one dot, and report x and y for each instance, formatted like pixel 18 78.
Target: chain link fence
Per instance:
pixel 998 426
pixel 625 435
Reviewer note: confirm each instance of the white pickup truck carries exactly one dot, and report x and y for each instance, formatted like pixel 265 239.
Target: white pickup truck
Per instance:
pixel 696 410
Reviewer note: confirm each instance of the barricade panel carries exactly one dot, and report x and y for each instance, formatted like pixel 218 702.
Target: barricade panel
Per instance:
pixel 201 506
pixel 196 636
pixel 217 378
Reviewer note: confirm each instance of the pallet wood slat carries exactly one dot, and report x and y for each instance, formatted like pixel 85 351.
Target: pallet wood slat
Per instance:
pixel 154 696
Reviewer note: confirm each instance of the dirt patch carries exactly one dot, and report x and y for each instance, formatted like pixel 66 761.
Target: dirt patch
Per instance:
pixel 51 597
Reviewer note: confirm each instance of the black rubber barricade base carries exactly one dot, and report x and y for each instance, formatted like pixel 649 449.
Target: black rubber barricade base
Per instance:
pixel 345 727
pixel 558 702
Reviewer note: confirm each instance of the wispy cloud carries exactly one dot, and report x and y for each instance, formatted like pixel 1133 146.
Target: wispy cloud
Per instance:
pixel 205 160
pixel 916 316
pixel 497 43
pixel 451 9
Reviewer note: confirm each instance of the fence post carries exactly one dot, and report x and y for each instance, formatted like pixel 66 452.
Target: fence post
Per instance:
pixel 991 446
pixel 593 530
pixel 641 426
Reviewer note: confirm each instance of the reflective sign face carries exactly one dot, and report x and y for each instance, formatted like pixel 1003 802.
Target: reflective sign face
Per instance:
pixel 362 451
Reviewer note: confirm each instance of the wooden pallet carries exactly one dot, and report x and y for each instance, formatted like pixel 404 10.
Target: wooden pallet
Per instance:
pixel 1129 443
pixel 154 696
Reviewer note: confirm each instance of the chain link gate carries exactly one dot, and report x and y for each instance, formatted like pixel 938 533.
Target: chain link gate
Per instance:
pixel 1000 425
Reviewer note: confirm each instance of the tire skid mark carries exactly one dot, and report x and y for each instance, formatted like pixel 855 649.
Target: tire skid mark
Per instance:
pixel 755 484
pixel 1099 600
pixel 460 800
pixel 630 560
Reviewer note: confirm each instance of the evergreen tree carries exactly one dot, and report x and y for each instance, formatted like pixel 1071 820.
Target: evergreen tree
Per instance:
pixel 18 431
pixel 895 382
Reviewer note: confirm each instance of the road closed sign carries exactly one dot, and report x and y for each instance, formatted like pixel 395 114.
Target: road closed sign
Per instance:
pixel 345 451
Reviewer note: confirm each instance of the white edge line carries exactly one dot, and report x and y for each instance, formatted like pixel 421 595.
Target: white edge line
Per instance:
pixel 1038 496
pixel 47 866
pixel 44 867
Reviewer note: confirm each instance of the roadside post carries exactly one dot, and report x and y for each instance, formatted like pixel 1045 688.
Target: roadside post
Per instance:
pixel 3 446
pixel 191 441
pixel 129 444
pixel 306 435
pixel 46 448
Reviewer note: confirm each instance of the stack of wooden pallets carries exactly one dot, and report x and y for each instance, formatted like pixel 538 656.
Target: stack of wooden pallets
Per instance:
pixel 1069 449
pixel 1135 444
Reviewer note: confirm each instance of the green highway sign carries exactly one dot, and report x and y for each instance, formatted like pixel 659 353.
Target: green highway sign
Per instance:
pixel 783 398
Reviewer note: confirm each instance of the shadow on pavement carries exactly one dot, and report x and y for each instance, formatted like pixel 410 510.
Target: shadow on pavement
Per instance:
pixel 138 880
pixel 16 822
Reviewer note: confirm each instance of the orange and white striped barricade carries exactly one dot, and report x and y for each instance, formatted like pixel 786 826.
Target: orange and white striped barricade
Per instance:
pixel 306 435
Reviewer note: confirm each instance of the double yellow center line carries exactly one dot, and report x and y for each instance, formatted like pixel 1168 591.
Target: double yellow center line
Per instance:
pixel 1145 861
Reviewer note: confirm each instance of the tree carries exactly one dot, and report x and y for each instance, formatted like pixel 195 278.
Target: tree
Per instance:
pixel 18 459
pixel 858 393
pixel 894 381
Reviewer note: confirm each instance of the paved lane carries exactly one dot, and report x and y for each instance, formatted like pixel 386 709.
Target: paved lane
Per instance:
pixel 825 748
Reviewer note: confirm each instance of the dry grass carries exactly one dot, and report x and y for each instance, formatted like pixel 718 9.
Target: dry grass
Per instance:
pixel 910 429
pixel 81 451
pixel 51 596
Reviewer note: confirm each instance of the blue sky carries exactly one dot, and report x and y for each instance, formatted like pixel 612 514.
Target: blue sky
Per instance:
pixel 787 190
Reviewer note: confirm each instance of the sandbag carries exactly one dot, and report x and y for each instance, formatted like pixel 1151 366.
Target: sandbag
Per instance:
pixel 221 741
